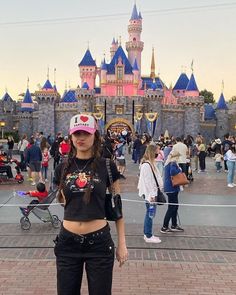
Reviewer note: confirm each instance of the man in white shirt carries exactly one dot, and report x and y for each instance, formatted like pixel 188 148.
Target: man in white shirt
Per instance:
pixel 183 150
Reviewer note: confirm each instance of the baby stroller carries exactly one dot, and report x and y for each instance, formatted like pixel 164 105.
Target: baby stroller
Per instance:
pixel 42 212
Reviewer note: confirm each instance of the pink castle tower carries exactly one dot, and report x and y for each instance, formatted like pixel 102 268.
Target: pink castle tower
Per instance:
pixel 88 70
pixel 135 46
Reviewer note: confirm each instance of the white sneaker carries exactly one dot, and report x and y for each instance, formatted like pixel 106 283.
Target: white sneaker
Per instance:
pixel 33 183
pixel 153 239
pixel 230 185
pixel 234 184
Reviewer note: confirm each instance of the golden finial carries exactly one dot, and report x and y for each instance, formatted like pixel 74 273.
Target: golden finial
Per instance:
pixel 119 40
pixel 55 76
pixel 192 65
pixel 28 83
pixel 222 86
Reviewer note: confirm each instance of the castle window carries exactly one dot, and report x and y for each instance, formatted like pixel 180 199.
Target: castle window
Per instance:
pixel 119 90
pixel 134 39
pixel 120 72
pixel 119 110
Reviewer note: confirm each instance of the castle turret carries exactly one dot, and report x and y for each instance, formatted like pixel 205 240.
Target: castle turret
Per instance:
pixel 47 97
pixel 103 72
pixel 88 70
pixel 181 85
pixel 135 46
pixel 114 47
pixel 222 118
pixel 192 89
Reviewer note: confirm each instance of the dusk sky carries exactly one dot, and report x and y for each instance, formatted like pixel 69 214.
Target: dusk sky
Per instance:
pixel 55 33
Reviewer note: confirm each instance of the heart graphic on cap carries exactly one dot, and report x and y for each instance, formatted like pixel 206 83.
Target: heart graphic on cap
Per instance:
pixel 83 118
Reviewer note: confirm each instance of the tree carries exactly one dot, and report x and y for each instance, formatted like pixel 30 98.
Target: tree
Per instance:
pixel 232 99
pixel 208 96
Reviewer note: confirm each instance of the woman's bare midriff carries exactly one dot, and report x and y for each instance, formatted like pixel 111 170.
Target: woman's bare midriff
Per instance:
pixel 84 227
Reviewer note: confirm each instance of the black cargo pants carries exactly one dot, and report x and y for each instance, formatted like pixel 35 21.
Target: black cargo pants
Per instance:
pixel 95 251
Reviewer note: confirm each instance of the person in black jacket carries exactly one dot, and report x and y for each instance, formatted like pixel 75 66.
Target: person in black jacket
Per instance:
pixel 10 144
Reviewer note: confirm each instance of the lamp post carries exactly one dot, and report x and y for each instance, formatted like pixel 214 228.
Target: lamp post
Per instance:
pixel 2 124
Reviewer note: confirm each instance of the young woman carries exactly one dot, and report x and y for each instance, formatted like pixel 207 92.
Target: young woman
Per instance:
pixel 230 158
pixel 147 187
pixel 10 145
pixel 85 237
pixel 171 169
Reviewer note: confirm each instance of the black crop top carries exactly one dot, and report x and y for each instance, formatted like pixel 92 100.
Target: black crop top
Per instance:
pixel 78 179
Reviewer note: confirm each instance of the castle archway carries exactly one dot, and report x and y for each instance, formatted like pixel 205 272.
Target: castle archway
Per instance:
pixel 119 124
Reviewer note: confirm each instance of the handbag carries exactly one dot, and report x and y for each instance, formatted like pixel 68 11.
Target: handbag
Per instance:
pixel 179 179
pixel 160 197
pixel 113 204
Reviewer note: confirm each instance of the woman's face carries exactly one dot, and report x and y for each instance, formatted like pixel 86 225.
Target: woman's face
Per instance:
pixel 82 141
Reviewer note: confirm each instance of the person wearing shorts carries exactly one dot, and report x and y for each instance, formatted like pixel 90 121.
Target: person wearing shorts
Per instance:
pixel 34 158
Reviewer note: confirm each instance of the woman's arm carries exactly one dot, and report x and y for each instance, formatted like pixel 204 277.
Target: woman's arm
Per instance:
pixel 121 250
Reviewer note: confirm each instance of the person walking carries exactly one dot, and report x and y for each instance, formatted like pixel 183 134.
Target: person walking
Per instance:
pixel 34 158
pixel 22 146
pixel 230 158
pixel 171 169
pixel 147 187
pixel 84 238
pixel 182 149
pixel 10 146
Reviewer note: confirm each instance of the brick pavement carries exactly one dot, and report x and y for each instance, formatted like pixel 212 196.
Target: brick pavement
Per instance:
pixel 201 261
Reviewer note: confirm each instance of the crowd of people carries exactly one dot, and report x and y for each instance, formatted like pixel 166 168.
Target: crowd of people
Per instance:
pixel 78 164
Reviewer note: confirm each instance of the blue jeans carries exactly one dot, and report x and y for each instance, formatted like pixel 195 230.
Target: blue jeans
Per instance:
pixel 147 230
pixel 44 171
pixel 218 166
pixel 231 171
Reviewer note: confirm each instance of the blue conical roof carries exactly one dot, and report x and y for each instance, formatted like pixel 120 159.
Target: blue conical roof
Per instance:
pixel 55 87
pixel 87 60
pixel 6 97
pixel 221 105
pixel 192 86
pixel 47 85
pixel 119 53
pixel 104 65
pixel 135 13
pixel 27 103
pixel 154 85
pixel 140 15
pixel 85 86
pixel 135 67
pixel 182 82
pixel 69 96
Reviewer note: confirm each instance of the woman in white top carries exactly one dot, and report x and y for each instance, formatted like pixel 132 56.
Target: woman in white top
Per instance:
pixel 148 189
pixel 230 157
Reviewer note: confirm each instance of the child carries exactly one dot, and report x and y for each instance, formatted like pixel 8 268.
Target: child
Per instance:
pixel 45 160
pixel 218 158
pixel 40 194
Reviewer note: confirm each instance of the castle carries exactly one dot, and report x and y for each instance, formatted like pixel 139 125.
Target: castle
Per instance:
pixel 124 99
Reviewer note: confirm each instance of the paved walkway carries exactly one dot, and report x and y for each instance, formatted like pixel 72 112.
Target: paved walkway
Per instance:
pixel 200 261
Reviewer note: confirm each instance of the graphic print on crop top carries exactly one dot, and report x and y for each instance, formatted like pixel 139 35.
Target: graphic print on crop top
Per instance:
pixel 81 181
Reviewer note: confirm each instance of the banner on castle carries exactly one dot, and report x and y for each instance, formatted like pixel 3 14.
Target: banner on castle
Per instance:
pixel 100 120
pixel 151 119
pixel 137 122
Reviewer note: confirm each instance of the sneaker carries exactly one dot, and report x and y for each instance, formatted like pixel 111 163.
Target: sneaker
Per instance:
pixel 165 230
pixel 29 178
pixel 176 228
pixel 46 180
pixel 153 239
pixel 230 185
pixel 33 183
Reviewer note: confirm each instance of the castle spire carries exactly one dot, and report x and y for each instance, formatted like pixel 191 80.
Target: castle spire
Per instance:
pixel 153 75
pixel 28 83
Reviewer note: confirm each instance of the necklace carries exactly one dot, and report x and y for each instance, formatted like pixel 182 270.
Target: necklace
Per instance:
pixel 82 169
